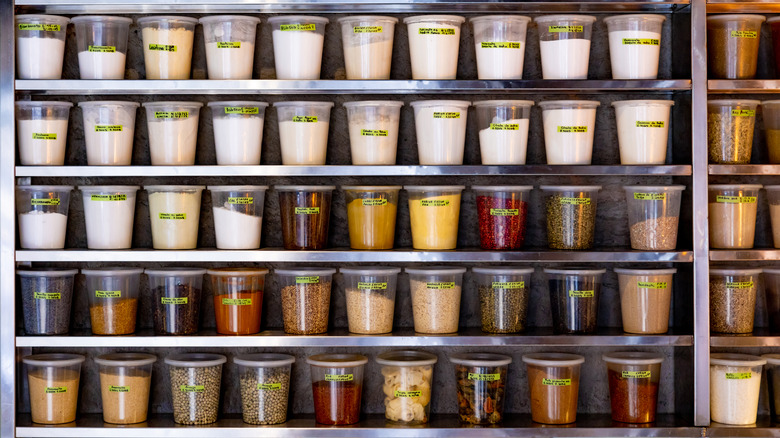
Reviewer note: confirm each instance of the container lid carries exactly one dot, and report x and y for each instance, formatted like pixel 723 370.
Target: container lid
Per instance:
pixel 48 273
pixel 772 359
pixel 213 18
pixel 771 271
pixel 199 360
pixel 298 18
pixel 425 103
pixel 373 102
pixel 304 188
pixel 735 17
pixel 237 188
pixel 502 188
pixel 422 18
pixel 553 359
pixel 553 18
pixel 503 270
pixel 41 17
pixel 304 271
pixel 654 188
pixel 112 272
pixel 635 17
pixel 772 19
pixel 493 103
pixel 173 272
pixel 172 18
pixel 379 270
pixel 303 103
pixel 173 188
pixel 493 18
pixel 236 272
pixel 126 359
pixel 108 103
pixel 367 18
pixel 240 104
pixel 633 358
pixel 264 360
pixel 735 359
pixel 434 188
pixel 53 359
pixel 406 358
pixel 619 103
pixel 40 103
pixel 480 359
pixel 774 187
pixel 574 271
pixel 111 189
pixel 87 18
pixel 645 271
pixel 735 271
pixel 436 270
pixel 735 186
pixel 336 360
pixel 371 188
pixel 171 103
pixel 729 102
pixel 570 188
pixel 45 188
pixel 552 104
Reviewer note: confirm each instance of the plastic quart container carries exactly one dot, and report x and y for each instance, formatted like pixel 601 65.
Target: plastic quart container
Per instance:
pixel 370 295
pixel 167 45
pixel 569 126
pixel 113 299
pixel 772 289
pixel 735 383
pixel 175 216
pixel 373 131
pixel 733 299
pixel 305 213
pixel 42 132
pixel 101 41
pixel 173 132
pixel 238 215
pixel 732 215
pixel 195 386
pixel 298 42
pixel 46 300
pixel 653 216
pixel 230 45
pixel 368 45
pixel 125 381
pixel 305 299
pixel 40 46
pixel 772 369
pixel 502 213
pixel 732 45
pixel 109 212
pixel 503 130
pixel 238 299
pixel 337 387
pixel 553 386
pixel 499 41
pixel 633 385
pixel 730 126
pixel 774 25
pixel 773 198
pixel 643 130
pixel 564 42
pixel 408 384
pixel 371 212
pixel 238 131
pixel 42 214
pixel 482 379
pixel 434 43
pixel 574 299
pixel 265 386
pixel 645 299
pixel 504 296
pixel 53 384
pixel 434 212
pixel 303 132
pixel 109 127
pixel 634 45
pixel 436 293
pixel 771 110
pixel 571 216
pixel 441 131
pixel 176 294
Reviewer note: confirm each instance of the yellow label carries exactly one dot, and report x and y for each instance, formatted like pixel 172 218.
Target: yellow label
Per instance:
pixel 581 293
pixel 738 376
pixel 556 382
pixel 46 296
pixel 242 110
pixel 405 394
pixel 171 114
pixel 441 285
pixel 434 202
pixel 174 300
pixel 374 202
pixel 744 34
pixel 228 44
pixel 307 280
pixel 508 285
pixel 636 374
pixel 435 31
pixel 108 293
pixel 339 377
pixel 504 211
pixel 371 286
pixel 484 377
pixel 743 113
pixel 298 27
pixel 575 201
pixel 108 128
pixel 162 47
pixel 304 119
pixel 269 386
pixel 641 42
pixel 192 388
pixel 739 285
pixel 56 389
pixel 446 115
pixel 43 136
pixel 40 26
pixel 652 284
pixel 650 196
pixel 173 216
pixel 648 124
pixel 501 45
pixel 108 198
pixel 45 201
pixel 574 129
pixel 504 127
pixel 112 388
pixel 307 210
pixel 367 29
pixel 241 200
pixel 735 199
pixel 236 301
pixel 374 132
pixel 102 49
pixel 564 29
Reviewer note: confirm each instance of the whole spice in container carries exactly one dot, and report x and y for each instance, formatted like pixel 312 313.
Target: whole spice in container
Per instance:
pixel 53 401
pixel 176 311
pixel 655 234
pixel 435 306
pixel 264 393
pixel 571 220
pixel 502 222
pixel 337 402
pixel 644 396
pixel 46 301
pixel 504 308
pixel 481 393
pixel 113 317
pixel 730 126
pixel 733 300
pixel 305 216
pixel 195 394
pixel 305 306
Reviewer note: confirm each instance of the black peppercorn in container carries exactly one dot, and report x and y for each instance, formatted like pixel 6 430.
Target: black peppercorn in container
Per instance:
pixel 574 299
pixel 176 296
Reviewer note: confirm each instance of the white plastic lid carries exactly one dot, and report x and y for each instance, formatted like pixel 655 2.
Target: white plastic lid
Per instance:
pixel 641 271
pixel 461 104
pixel 436 270
pixel 109 189
pixel 567 104
pixel 503 103
pixel 574 271
pixel 434 188
pixel 553 359
pixel 45 188
pixel 356 18
pixel 126 359
pixel 303 271
pixel 41 18
pixel 570 188
pixel 237 188
pixel 654 188
pixel 371 188
pixel 379 270
pixel 236 272
pixel 298 19
pixel 48 273
pixel 112 272
pixel 170 18
pixel 455 19
pixel 772 359
pixel 633 358
pixel 304 188
pixel 304 104
pixel 224 18
pixel 99 18
pixel 502 188
pixel 335 360
pixel 53 359
pixel 494 18
pixel 168 104
pixel 264 360
pixel 239 103
pixel 632 103
pixel 360 103
pixel 733 102
pixel 503 270
pixel 197 360
pixel 736 360
pixel 174 188
pixel 635 17
pixel 735 186
pixel 175 272
pixel 406 358
pixel 555 18
pixel 735 271
pixel 480 359
pixel 42 103
pixel 108 103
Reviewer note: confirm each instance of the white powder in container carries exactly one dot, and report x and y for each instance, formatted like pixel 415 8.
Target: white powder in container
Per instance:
pixel 303 143
pixel 238 140
pixel 39 58
pixel 42 141
pixel 374 142
pixel 441 135
pixel 568 135
pixel 734 394
pixel 101 65
pixel 175 217
pixel 565 59
pixel 500 62
pixel 230 60
pixel 167 52
pixel 298 54
pixel 643 131
pixel 172 141
pixel 433 48
pixel 368 61
pixel 39 230
pixel 235 230
pixel 504 146
pixel 109 139
pixel 634 54
pixel 109 219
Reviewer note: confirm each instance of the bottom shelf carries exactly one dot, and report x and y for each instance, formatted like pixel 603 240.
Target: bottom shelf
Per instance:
pixel 372 426
pixel 764 428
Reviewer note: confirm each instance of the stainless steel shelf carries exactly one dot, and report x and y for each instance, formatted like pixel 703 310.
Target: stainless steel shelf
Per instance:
pixel 761 337
pixel 764 428
pixel 275 170
pixel 748 86
pixel 272 255
pixel 729 255
pixel 729 6
pixel 342 338
pixel 514 425
pixel 743 169
pixel 285 87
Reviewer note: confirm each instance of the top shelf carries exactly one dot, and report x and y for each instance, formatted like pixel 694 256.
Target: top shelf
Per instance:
pixel 730 6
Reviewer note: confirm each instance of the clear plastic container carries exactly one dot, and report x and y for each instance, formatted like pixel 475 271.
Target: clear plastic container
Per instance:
pixel 645 299
pixel 502 213
pixel 176 294
pixel 553 386
pixel 238 131
pixel 571 216
pixel 773 383
pixel 408 383
pixel 574 299
pixel 370 295
pixel 46 300
pixel 569 126
pixel 42 132
pixel 732 215
pixel 732 45
pixel 303 132
pixel 773 198
pixel 735 383
pixel 771 110
pixel 101 41
pixel 371 212
pixel 504 296
pixel 635 45
pixel 238 215
pixel 434 212
pixel 643 130
pixel 230 45
pixel 774 24
pixel 633 385
pixel 373 131
pixel 238 299
pixel 167 43
pixel 298 44
pixel 53 384
pixel 441 131
pixel 503 130
pixel 305 299
pixel 113 299
pixel 265 386
pixel 499 41
pixel 305 213
pixel 733 299
pixel 436 292
pixel 772 290
pixel 42 213
pixel 337 386
pixel 434 42
pixel 125 382
pixel 173 132
pixel 195 386
pixel 175 216
pixel 109 212
pixel 109 127
pixel 368 45
pixel 40 46
pixel 653 216
pixel 482 379
pixel 730 125
pixel 564 42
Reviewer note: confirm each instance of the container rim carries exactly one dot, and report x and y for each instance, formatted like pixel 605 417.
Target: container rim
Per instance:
pixel 502 188
pixel 503 102
pixel 298 18
pixel 236 188
pixel 211 18
pixel 647 271
pixel 393 103
pixel 126 359
pixel 772 19
pixel 236 272
pixel 406 358
pixel 633 358
pixel 575 271
pixel 45 188
pixel 87 18
pixel 587 104
pixel 379 270
pixel 565 17
pixel 47 272
pixel 723 17
pixel 113 271
pixel 159 188
pixel 172 103
pixel 367 18
pixel 736 186
pixel 337 360
pixel 553 359
pixel 92 103
pixel 772 358
pixel 434 188
pixel 772 187
pixel 173 272
pixel 315 103
pixel 371 188
pixel 736 359
pixel 173 18
pixel 771 271
pixel 304 188
pixel 480 359
pixel 248 103
pixel 436 270
pixel 736 271
pixel 39 103
pixel 643 102
pixel 675 188
pixel 302 271
pixel 724 102
pixel 570 188
pixel 93 189
pixel 53 359
pixel 500 17
pixel 41 17
pixel 463 104
pixel 647 17
pixel 422 18
pixel 504 270
pixel 264 360
pixel 195 360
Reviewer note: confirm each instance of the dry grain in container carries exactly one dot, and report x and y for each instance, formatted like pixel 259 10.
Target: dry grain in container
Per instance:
pixel 298 44
pixel 653 216
pixel 101 41
pixel 571 216
pixel 305 299
pixel 230 45
pixel 635 45
pixel 441 131
pixel 732 215
pixel 40 46
pixel 569 126
pixel 195 386
pixel 730 126
pixel 645 299
pixel 167 43
pixel 732 45
pixel 113 299
pixel 42 214
pixel 265 386
pixel 42 132
pixel 735 383
pixel 553 386
pixel 564 42
pixel 370 295
pixel 173 132
pixel 436 293
pixel 238 131
pixel 643 130
pixel 434 42
pixel 109 212
pixel 368 45
pixel 175 216
pixel 434 212
pixel 504 296
pixel 53 385
pixel 373 131
pixel 503 130
pixel 125 381
pixel 733 299
pixel 408 384
pixel 238 215
pixel 499 41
